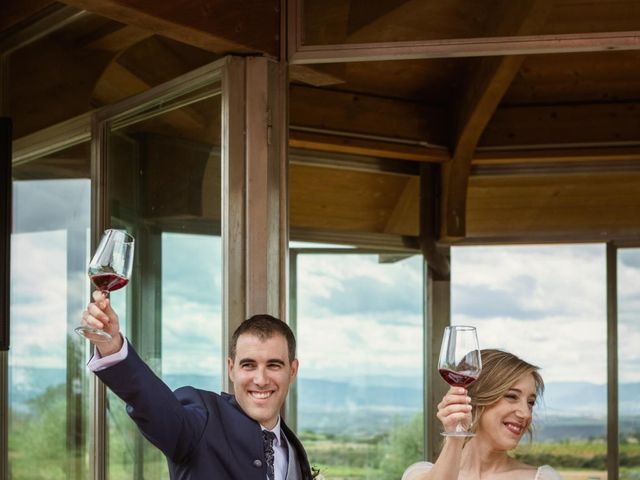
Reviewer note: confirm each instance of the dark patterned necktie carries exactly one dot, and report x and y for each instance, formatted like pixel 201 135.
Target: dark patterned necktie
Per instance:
pixel 268 438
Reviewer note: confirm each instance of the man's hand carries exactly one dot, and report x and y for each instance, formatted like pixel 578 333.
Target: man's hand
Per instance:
pixel 100 315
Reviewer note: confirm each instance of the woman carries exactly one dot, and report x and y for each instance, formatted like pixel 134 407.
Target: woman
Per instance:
pixel 498 408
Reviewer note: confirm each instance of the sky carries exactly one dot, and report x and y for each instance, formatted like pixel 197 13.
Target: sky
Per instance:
pixel 356 317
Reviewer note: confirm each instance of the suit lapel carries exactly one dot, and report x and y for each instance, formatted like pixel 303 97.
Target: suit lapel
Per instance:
pixel 293 469
pixel 299 456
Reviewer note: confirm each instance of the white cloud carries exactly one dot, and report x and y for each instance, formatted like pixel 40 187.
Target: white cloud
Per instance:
pixel 559 292
pixel 39 299
pixel 191 337
pixel 565 348
pixel 352 345
pixel 565 286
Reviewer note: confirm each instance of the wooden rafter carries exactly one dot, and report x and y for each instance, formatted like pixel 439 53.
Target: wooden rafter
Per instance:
pixel 486 87
pixel 219 26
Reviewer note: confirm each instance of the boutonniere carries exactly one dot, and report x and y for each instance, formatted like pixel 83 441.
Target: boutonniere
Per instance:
pixel 315 473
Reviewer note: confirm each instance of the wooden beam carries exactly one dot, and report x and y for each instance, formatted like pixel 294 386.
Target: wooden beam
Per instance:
pixel 405 214
pixel 550 156
pixel 70 74
pixel 115 83
pixel 367 115
pixel 429 201
pixel 219 26
pixel 130 70
pixel 486 87
pixel 15 12
pixel 371 148
pixel 467 47
pixel 367 15
pixel 586 123
pixel 119 39
pixel 565 207
pixel 592 160
pixel 317 75
pixel 37 26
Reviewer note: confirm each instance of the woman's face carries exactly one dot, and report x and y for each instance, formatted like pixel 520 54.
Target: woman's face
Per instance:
pixel 503 423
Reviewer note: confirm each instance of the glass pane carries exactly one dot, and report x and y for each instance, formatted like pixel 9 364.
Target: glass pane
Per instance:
pixel 629 362
pixel 546 304
pixel 48 380
pixel 164 188
pixel 326 22
pixel 360 386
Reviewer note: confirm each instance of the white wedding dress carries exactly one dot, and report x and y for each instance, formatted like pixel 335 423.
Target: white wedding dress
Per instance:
pixel 544 472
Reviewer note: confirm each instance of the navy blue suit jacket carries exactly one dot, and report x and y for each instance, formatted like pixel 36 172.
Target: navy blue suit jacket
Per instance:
pixel 205 436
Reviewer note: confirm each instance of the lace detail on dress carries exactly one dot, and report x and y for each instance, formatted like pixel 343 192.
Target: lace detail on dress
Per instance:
pixel 420 467
pixel 546 472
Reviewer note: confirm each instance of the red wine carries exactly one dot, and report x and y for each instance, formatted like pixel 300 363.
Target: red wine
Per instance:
pixel 457 379
pixel 108 282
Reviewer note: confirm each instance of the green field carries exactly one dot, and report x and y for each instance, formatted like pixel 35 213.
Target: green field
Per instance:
pixel 384 458
pixel 38 449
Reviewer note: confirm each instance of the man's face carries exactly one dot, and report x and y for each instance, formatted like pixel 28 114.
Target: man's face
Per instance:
pixel 261 374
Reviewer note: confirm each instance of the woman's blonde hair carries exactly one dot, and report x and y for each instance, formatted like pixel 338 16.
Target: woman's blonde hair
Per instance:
pixel 500 370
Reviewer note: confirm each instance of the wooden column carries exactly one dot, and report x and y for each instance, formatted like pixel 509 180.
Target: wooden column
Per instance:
pixel 255 243
pixel 266 189
pixel 438 316
pixel 438 302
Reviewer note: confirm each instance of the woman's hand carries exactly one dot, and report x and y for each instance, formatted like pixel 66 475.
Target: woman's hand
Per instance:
pixel 100 315
pixel 455 408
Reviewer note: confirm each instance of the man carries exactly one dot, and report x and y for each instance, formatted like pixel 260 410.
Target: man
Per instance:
pixel 206 436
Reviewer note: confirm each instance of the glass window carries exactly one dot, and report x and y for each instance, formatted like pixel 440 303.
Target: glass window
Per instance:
pixel 629 362
pixel 360 345
pixel 199 310
pixel 360 21
pixel 164 188
pixel 48 380
pixel 546 304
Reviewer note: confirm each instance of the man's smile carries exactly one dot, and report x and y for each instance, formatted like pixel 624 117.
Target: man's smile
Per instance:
pixel 261 395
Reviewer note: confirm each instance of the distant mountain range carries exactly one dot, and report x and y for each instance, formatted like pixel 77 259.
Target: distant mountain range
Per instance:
pixel 371 405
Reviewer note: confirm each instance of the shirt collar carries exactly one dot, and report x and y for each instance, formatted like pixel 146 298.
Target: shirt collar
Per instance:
pixel 277 431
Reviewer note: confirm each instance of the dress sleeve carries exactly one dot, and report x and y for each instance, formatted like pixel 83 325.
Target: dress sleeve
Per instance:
pixel 546 472
pixel 420 467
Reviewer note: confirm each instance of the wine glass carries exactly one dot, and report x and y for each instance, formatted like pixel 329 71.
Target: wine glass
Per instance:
pixel 460 363
pixel 109 270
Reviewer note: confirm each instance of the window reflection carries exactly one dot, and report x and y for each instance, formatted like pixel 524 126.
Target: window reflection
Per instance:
pixel 360 387
pixel 164 188
pixel 193 311
pixel 361 21
pixel 48 395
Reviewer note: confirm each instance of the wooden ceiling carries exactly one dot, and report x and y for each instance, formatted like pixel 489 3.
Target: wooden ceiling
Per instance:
pixel 534 146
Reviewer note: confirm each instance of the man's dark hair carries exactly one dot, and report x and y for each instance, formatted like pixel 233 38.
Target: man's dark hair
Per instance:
pixel 264 326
